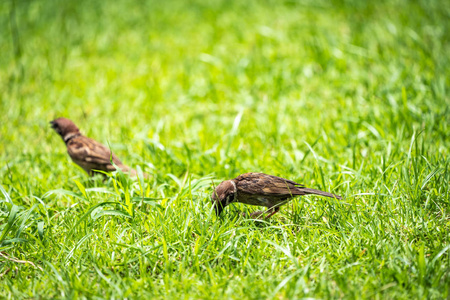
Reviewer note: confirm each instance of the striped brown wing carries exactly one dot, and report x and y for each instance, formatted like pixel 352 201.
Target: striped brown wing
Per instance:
pixel 91 154
pixel 264 184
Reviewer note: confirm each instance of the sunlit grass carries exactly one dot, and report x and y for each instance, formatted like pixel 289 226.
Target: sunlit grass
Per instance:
pixel 346 96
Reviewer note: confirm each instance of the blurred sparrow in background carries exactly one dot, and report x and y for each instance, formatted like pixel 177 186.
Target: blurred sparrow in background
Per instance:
pixel 87 153
pixel 260 189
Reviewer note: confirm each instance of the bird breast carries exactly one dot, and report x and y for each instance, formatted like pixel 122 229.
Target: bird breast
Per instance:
pixel 252 199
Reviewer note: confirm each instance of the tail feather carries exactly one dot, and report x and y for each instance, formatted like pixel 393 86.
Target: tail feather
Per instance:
pixel 308 191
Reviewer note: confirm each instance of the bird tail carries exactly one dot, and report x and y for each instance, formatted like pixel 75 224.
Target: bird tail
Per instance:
pixel 309 191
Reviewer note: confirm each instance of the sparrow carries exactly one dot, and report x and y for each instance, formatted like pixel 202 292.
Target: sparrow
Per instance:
pixel 260 189
pixel 85 152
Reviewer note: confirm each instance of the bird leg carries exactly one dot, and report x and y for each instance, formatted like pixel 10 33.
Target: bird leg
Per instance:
pixel 256 214
pixel 270 212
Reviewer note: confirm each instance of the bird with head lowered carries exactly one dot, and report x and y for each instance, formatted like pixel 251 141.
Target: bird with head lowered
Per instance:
pixel 262 190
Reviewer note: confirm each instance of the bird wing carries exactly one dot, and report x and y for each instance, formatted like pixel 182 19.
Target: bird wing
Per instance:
pixel 89 151
pixel 264 184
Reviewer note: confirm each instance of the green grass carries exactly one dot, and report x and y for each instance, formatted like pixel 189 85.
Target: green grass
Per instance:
pixel 345 96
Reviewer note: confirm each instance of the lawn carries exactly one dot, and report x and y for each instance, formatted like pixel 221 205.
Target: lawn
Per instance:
pixel 351 97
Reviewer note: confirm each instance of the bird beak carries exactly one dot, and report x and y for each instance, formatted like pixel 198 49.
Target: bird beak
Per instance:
pixel 218 207
pixel 52 124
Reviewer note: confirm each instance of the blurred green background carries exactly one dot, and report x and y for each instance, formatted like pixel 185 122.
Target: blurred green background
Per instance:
pixel 344 96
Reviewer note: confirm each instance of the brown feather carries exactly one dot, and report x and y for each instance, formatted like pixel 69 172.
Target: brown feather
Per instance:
pixel 263 190
pixel 87 153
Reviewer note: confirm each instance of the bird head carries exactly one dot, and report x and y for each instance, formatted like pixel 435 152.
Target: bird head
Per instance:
pixel 64 127
pixel 224 194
